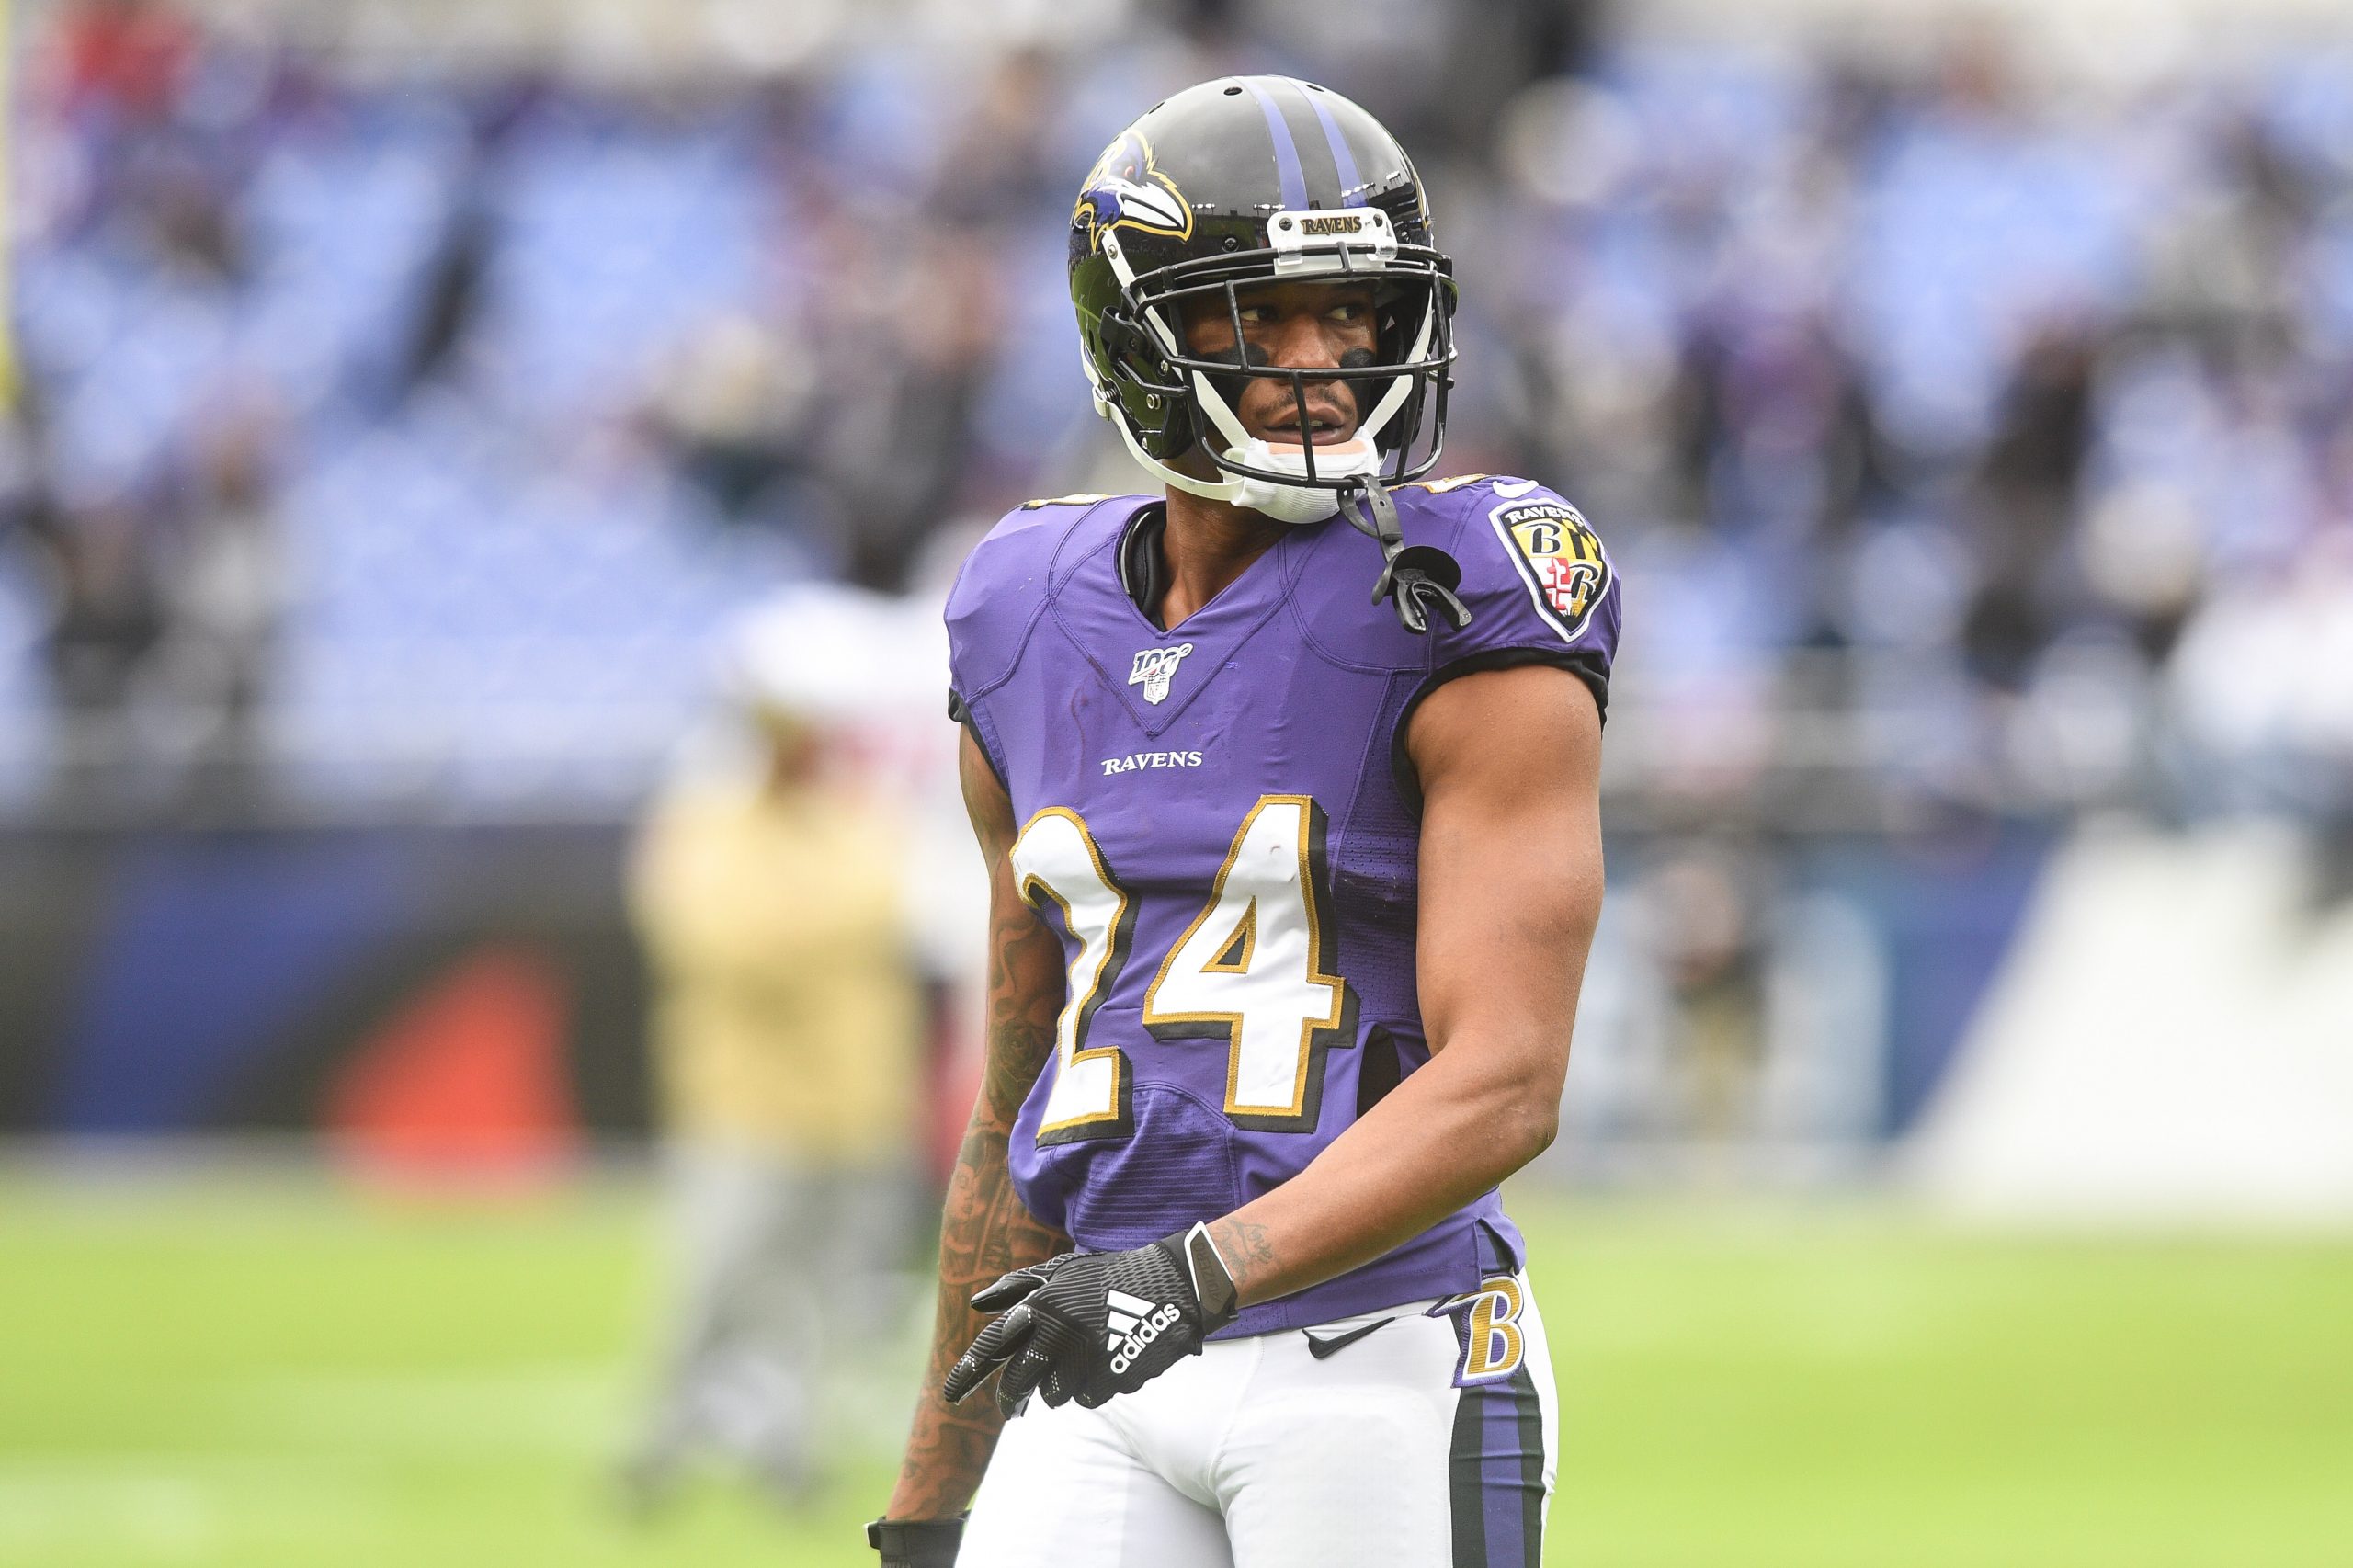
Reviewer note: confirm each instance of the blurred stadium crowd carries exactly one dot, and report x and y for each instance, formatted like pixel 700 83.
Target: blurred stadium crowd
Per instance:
pixel 393 428
pixel 397 429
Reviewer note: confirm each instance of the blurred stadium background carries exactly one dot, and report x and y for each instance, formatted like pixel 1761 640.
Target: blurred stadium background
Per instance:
pixel 419 414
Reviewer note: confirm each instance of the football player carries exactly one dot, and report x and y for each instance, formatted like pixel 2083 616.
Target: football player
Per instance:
pixel 1287 782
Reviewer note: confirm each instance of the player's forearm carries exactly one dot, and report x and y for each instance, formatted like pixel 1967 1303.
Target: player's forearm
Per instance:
pixel 1470 1117
pixel 985 1233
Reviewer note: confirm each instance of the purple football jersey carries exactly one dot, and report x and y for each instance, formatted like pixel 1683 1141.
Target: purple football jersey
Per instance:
pixel 1221 822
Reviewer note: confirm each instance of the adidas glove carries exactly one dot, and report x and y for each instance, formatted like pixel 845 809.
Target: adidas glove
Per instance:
pixel 1087 1325
pixel 916 1543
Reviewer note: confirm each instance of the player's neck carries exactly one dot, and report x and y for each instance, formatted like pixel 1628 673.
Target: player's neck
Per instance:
pixel 1206 546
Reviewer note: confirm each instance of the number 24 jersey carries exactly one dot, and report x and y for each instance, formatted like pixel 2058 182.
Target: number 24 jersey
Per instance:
pixel 1222 823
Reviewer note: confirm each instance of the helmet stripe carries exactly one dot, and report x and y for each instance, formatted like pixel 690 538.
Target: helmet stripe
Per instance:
pixel 1287 164
pixel 1343 162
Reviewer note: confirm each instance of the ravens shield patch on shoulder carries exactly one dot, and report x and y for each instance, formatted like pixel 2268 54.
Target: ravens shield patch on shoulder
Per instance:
pixel 1559 556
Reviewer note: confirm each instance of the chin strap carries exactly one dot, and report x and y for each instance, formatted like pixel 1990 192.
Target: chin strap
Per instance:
pixel 1419 578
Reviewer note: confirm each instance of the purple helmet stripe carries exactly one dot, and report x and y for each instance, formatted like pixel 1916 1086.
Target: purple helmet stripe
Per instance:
pixel 1286 166
pixel 1344 163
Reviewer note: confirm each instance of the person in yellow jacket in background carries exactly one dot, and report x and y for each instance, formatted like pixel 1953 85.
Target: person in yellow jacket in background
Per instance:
pixel 785 1032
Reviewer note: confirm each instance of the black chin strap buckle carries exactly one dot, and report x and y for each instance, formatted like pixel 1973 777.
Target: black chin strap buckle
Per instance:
pixel 1419 579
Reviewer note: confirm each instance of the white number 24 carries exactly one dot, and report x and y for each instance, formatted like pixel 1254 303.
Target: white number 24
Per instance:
pixel 1253 970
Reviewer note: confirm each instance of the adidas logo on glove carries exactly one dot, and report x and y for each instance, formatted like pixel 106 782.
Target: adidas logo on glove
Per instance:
pixel 1134 1322
pixel 1066 1328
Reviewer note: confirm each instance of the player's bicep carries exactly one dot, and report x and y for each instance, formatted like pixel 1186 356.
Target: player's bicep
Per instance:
pixel 985 802
pixel 1510 762
pixel 1026 978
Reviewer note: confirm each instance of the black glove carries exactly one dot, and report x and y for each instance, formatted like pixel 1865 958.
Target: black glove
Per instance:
pixel 916 1543
pixel 1087 1325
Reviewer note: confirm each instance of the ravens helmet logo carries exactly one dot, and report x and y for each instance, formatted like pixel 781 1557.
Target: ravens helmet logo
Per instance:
pixel 1126 190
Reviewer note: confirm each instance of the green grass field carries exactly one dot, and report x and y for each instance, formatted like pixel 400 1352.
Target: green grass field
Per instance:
pixel 236 1372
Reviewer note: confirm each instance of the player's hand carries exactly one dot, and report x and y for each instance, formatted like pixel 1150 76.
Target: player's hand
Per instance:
pixel 916 1543
pixel 1089 1325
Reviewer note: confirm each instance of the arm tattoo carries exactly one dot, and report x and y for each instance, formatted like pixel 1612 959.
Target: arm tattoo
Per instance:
pixel 1246 1250
pixel 985 1233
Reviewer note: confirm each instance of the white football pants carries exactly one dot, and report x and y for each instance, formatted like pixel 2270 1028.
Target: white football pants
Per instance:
pixel 1427 1443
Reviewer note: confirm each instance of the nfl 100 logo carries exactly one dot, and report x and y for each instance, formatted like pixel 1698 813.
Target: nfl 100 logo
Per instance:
pixel 1155 668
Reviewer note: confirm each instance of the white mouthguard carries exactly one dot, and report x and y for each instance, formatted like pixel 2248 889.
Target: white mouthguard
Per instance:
pixel 1300 503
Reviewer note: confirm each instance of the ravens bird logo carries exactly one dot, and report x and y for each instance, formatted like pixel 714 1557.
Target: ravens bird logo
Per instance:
pixel 1126 190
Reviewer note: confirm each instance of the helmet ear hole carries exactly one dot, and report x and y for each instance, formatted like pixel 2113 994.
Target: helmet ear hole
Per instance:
pixel 1124 341
pixel 1133 354
pixel 1150 389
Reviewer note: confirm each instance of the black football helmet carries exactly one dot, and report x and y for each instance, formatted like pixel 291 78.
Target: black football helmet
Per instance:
pixel 1242 181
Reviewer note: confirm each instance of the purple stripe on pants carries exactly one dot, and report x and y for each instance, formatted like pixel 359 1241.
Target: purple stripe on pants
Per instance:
pixel 1497 1478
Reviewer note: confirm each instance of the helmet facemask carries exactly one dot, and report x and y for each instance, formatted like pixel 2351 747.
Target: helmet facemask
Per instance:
pixel 1169 399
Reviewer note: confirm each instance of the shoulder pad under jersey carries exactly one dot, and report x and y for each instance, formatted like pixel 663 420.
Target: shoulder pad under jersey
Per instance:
pixel 1002 586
